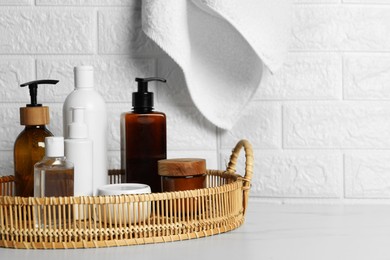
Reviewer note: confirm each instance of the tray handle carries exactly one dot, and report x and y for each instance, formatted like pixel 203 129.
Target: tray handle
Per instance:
pixel 248 167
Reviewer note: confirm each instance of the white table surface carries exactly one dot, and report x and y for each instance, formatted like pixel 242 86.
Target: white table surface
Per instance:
pixel 271 231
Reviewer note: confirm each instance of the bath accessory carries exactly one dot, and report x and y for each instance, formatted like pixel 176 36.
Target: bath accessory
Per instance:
pixel 143 138
pixel 220 207
pixel 127 212
pixel 182 174
pixel 85 95
pixel 123 188
pixel 53 175
pixel 221 46
pixel 29 145
pixel 79 151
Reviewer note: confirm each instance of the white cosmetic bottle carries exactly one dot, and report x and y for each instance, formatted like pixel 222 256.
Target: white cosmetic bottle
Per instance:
pixel 85 95
pixel 79 150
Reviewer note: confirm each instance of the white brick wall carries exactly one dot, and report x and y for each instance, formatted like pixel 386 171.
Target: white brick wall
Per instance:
pixel 320 126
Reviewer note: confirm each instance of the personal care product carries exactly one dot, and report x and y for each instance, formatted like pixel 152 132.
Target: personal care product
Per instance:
pixel 182 174
pixel 133 212
pixel 95 114
pixel 29 145
pixel 79 151
pixel 143 138
pixel 53 175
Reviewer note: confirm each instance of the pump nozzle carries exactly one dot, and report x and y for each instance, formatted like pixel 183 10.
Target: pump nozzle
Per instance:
pixel 34 113
pixel 143 83
pixel 142 99
pixel 33 87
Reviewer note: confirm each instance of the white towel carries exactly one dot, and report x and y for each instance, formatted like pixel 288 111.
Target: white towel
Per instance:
pixel 221 46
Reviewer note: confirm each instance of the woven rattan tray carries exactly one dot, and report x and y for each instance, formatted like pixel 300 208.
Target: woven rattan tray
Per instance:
pixel 104 221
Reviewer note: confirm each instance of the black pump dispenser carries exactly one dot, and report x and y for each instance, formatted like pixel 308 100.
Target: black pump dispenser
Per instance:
pixel 33 87
pixel 142 99
pixel 27 149
pixel 143 138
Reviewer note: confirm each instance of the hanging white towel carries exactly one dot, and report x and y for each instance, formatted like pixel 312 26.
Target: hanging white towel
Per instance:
pixel 221 46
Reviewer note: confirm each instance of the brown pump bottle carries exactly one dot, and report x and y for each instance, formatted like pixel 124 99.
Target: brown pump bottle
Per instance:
pixel 29 145
pixel 143 138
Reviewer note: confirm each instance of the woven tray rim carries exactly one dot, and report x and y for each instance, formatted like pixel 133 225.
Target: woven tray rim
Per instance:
pixel 239 185
pixel 110 199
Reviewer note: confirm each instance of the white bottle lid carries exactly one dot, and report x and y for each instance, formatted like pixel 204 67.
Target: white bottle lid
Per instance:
pixel 83 77
pixel 54 146
pixel 78 129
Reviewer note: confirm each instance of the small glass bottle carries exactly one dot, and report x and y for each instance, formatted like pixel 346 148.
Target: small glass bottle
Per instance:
pixel 54 175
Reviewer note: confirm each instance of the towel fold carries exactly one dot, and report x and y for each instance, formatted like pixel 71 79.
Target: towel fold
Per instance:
pixel 221 47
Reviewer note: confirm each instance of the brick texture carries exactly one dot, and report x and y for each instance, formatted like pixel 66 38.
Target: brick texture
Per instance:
pixel 367 174
pixel 16 2
pixel 367 76
pixel 114 75
pixel 337 125
pixel 133 3
pixel 333 27
pixel 44 31
pixel 120 33
pixel 14 72
pixel 260 123
pixel 294 173
pixel 10 125
pixel 304 76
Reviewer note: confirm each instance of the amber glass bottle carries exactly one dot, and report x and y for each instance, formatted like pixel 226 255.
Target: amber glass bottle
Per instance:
pixel 29 146
pixel 143 138
pixel 28 150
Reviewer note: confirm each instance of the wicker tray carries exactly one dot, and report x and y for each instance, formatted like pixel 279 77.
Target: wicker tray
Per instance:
pixel 104 221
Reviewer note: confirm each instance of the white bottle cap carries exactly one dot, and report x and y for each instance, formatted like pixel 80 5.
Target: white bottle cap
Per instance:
pixel 83 77
pixel 78 129
pixel 54 146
